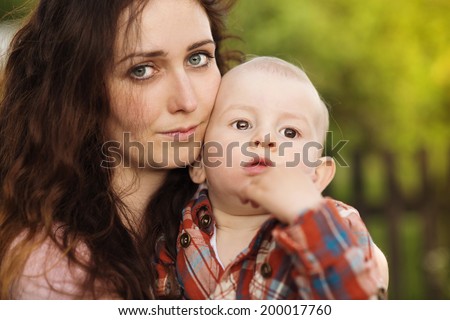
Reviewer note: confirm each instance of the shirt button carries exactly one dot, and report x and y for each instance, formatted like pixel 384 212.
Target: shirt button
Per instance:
pixel 266 270
pixel 205 222
pixel 185 240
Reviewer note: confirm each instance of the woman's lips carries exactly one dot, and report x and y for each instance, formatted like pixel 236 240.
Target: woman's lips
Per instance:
pixel 180 134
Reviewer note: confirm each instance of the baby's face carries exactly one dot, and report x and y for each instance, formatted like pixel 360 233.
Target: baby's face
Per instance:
pixel 260 119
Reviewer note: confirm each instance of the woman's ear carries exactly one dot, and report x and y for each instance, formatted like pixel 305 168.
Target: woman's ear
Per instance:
pixel 197 172
pixel 324 173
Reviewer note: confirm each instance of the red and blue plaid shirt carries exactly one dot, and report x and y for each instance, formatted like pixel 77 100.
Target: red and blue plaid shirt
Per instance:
pixel 326 254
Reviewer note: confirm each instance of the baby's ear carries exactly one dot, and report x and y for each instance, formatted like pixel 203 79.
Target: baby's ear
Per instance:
pixel 197 172
pixel 324 173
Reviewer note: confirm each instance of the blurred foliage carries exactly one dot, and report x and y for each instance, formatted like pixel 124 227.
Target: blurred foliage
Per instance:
pixel 15 9
pixel 382 66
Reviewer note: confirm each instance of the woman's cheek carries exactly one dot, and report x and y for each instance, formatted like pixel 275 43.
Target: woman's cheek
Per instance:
pixel 212 87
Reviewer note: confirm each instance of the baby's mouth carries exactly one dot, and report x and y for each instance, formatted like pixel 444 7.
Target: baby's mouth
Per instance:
pixel 259 161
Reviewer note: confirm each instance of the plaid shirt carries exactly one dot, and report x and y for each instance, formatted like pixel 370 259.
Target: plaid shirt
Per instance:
pixel 325 254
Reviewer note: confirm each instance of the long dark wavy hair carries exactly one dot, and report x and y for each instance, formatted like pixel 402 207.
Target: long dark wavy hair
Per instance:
pixel 53 112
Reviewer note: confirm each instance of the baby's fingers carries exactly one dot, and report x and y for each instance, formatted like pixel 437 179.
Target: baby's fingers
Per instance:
pixel 252 192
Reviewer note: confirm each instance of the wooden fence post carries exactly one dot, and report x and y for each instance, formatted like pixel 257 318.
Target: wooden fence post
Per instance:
pixel 393 211
pixel 429 217
pixel 358 182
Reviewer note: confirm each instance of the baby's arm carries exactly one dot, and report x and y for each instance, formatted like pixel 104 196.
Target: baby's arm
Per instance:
pixel 382 265
pixel 328 241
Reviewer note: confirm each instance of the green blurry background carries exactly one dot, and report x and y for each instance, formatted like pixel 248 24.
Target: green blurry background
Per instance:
pixel 383 67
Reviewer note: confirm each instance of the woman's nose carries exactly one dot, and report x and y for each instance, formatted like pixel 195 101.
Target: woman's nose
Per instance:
pixel 183 97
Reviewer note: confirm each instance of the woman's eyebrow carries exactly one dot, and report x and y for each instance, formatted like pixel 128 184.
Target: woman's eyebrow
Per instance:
pixel 198 44
pixel 161 53
pixel 151 54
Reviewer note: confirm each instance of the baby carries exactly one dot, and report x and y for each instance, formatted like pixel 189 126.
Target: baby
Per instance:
pixel 260 228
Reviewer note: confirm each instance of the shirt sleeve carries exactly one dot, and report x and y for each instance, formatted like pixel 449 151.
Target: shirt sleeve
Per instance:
pixel 49 275
pixel 333 253
pixel 167 285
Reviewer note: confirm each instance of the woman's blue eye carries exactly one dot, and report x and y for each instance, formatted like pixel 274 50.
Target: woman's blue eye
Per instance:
pixel 241 125
pixel 199 60
pixel 290 133
pixel 142 72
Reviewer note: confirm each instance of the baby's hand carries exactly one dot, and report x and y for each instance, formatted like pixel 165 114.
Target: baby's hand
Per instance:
pixel 283 191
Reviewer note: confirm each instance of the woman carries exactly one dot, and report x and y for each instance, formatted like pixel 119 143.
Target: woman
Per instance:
pixel 103 102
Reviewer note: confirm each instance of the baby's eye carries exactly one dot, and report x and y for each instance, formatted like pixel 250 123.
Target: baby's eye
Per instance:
pixel 199 59
pixel 241 125
pixel 142 72
pixel 290 133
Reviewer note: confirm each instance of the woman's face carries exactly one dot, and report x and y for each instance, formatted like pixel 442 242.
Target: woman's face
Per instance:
pixel 162 85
